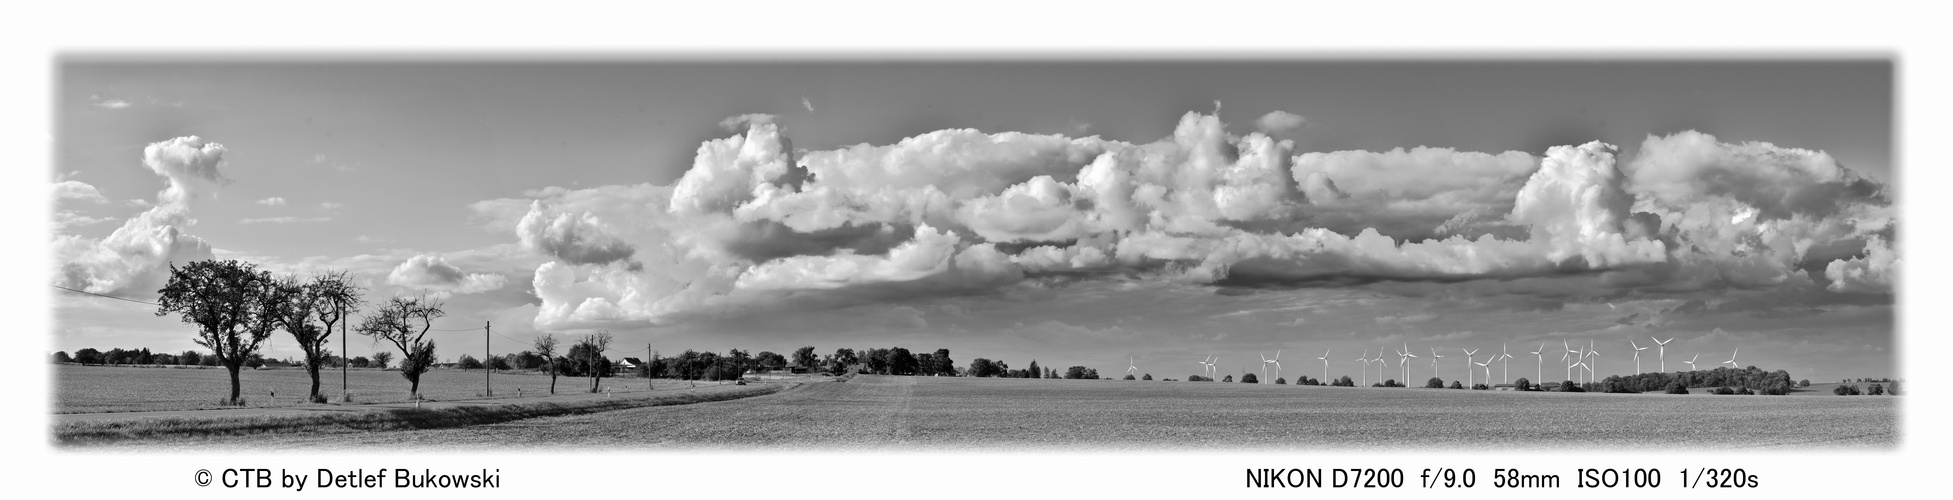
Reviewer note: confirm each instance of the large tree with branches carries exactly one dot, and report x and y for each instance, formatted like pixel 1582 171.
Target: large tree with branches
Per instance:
pixel 404 322
pixel 590 353
pixel 325 299
pixel 228 302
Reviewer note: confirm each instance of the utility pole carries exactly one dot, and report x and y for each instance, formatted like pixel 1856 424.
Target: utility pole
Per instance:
pixel 344 360
pixel 647 367
pixel 488 357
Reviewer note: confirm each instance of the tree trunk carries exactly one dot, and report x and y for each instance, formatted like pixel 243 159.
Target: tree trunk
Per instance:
pixel 236 388
pixel 413 386
pixel 552 382
pixel 314 369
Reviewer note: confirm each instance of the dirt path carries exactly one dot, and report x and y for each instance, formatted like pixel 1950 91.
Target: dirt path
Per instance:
pixel 347 408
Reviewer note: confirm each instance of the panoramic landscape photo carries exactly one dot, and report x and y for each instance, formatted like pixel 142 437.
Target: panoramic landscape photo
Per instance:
pixel 1252 254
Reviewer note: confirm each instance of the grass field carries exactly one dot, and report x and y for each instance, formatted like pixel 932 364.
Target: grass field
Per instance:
pixel 92 389
pixel 941 414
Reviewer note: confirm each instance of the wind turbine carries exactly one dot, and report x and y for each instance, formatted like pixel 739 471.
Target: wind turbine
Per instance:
pixel 1215 367
pixel 1488 369
pixel 1204 368
pixel 1468 365
pixel 1507 365
pixel 1402 357
pixel 1564 358
pixel 1325 365
pixel 1691 361
pixel 1130 367
pixel 1434 361
pixel 1732 358
pixel 1662 351
pixel 1365 358
pixel 1596 355
pixel 1381 364
pixel 1278 366
pixel 1637 356
pixel 1581 362
pixel 1538 365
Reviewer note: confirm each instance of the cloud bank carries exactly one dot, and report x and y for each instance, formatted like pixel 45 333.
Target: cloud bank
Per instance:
pixel 755 224
pixel 135 258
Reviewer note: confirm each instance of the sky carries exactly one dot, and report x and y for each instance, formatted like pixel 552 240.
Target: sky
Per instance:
pixel 1075 213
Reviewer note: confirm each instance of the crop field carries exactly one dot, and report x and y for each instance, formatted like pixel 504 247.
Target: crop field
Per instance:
pixel 93 389
pixel 1017 414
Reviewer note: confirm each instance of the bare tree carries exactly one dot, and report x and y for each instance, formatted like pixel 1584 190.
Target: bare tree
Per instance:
pixel 226 300
pixel 545 346
pixel 395 323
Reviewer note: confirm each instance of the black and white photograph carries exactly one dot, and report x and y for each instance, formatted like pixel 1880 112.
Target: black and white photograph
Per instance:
pixel 668 254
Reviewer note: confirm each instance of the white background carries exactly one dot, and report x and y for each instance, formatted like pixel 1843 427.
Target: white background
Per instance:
pixel 1136 30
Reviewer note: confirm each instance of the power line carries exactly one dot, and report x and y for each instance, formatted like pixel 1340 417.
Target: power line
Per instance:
pixel 103 296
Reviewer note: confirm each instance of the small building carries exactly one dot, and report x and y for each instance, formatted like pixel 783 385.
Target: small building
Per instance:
pixel 1505 387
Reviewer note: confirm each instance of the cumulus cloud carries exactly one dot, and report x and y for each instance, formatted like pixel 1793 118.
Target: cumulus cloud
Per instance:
pixel 274 201
pixel 754 223
pixel 112 104
pixel 433 272
pixel 71 190
pixel 1280 122
pixel 135 258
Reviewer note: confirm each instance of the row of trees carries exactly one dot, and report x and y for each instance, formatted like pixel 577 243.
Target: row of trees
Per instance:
pixel 142 357
pixel 236 307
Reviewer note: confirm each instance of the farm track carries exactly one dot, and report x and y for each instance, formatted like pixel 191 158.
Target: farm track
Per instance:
pixel 898 413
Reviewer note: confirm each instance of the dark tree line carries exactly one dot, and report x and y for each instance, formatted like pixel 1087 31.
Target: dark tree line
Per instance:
pixel 1756 379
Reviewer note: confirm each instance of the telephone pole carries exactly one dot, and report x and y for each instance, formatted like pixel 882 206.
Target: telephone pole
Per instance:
pixel 487 356
pixel 647 367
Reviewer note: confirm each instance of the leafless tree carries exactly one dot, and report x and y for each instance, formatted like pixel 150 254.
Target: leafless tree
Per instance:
pixel 545 346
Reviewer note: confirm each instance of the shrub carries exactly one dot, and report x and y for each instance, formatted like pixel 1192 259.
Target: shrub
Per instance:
pixel 1893 389
pixel 1745 391
pixel 1345 382
pixel 1804 383
pixel 1876 390
pixel 1392 383
pixel 1845 390
pixel 1569 386
pixel 1457 385
pixel 1148 376
pixel 1197 378
pixel 1480 387
pixel 1227 378
pixel 1128 377
pixel 1249 379
pixel 1434 383
pixel 1678 388
pixel 1722 391
pixel 1522 384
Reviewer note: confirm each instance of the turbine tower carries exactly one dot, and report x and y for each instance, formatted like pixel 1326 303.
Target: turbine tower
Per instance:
pixel 1661 351
pixel 1468 365
pixel 1325 365
pixel 1691 361
pixel 1488 369
pixel 1264 367
pixel 1214 367
pixel 1538 366
pixel 1507 365
pixel 1732 358
pixel 1637 356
